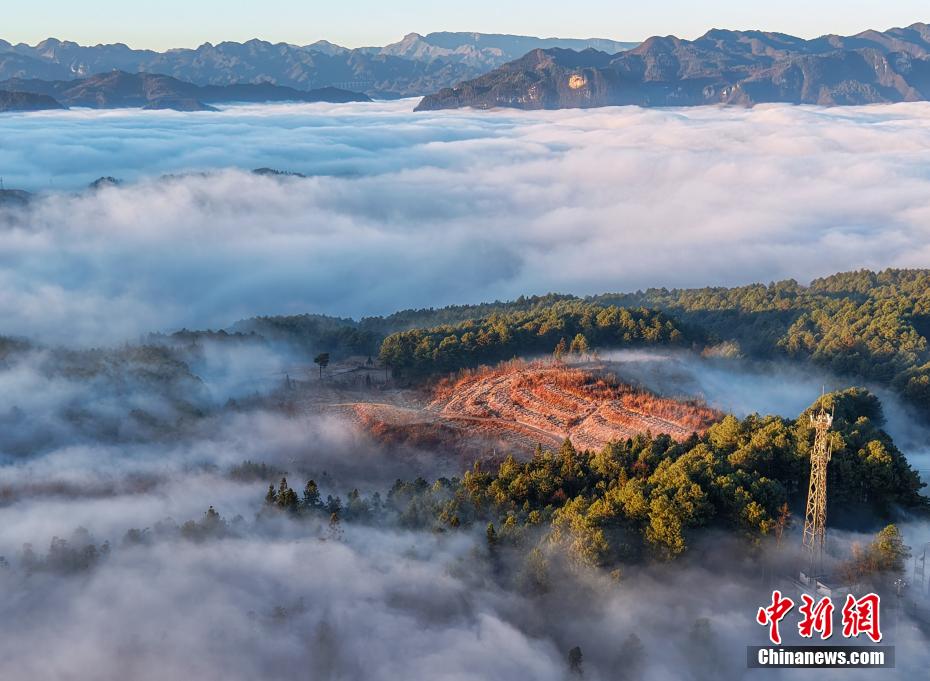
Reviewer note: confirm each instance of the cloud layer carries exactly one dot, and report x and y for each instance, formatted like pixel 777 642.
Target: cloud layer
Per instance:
pixel 398 210
pixel 405 209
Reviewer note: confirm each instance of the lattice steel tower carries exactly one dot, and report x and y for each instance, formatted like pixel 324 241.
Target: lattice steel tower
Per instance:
pixel 815 520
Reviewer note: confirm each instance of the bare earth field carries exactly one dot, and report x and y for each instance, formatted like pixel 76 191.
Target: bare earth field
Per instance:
pixel 512 408
pixel 548 402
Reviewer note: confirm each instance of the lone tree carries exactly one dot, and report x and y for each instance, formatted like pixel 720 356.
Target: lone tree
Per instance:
pixel 560 350
pixel 323 360
pixel 889 551
pixel 491 534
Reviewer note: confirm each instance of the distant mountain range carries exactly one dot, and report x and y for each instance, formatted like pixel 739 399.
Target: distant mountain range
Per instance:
pixel 413 66
pixel 152 91
pixel 730 67
pixel 480 70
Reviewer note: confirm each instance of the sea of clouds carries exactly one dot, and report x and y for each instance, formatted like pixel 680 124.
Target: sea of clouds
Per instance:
pixel 404 209
pixel 397 210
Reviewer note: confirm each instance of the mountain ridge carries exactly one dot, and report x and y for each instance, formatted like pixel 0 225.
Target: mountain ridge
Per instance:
pixel 719 67
pixel 415 65
pixel 156 91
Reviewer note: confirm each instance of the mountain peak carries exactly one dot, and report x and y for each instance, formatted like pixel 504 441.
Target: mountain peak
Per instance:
pixel 326 47
pixel 658 42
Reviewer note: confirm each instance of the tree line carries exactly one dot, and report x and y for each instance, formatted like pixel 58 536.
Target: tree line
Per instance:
pixel 421 352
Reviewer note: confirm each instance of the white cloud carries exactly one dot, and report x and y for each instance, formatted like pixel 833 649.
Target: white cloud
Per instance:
pixel 408 209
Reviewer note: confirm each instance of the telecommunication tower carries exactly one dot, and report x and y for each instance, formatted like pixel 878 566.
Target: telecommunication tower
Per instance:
pixel 815 519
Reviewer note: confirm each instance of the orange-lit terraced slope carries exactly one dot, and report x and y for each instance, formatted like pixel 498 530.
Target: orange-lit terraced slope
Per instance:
pixel 545 403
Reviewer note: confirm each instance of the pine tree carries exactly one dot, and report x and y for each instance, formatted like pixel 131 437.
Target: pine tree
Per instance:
pixel 579 345
pixel 356 507
pixel 491 534
pixel 335 529
pixel 377 506
pixel 311 496
pixel 287 497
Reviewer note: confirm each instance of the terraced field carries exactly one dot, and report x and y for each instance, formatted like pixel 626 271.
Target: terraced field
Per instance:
pixel 545 403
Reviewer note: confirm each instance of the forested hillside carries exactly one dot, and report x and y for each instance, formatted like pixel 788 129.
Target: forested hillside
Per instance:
pixel 863 324
pixel 420 352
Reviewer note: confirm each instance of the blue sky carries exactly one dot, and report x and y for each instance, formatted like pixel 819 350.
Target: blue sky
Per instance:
pixel 183 23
